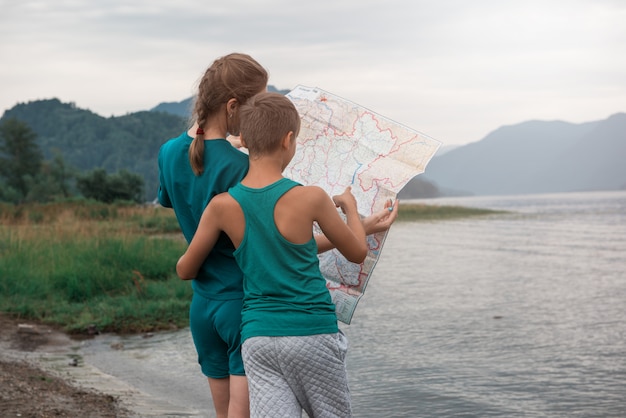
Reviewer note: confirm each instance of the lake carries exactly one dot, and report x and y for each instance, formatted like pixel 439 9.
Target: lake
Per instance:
pixel 521 314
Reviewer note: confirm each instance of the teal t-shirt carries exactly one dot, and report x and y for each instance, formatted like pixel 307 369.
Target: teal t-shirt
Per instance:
pixel 224 166
pixel 284 291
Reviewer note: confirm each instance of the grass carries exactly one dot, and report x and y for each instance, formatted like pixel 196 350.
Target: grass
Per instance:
pixel 421 212
pixel 85 265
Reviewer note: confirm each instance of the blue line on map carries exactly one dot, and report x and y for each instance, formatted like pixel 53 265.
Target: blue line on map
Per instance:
pixel 356 170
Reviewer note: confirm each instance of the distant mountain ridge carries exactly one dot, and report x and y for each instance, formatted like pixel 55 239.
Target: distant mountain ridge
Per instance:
pixel 88 141
pixel 530 157
pixel 537 157
pixel 184 107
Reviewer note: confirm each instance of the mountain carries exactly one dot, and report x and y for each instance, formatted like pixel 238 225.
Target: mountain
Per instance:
pixel 537 157
pixel 530 157
pixel 87 140
pixel 184 108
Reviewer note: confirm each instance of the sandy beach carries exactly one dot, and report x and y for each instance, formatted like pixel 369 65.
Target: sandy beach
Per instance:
pixel 31 388
pixel 44 374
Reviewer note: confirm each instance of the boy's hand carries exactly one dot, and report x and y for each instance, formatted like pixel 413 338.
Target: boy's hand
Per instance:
pixel 381 221
pixel 346 201
pixel 235 141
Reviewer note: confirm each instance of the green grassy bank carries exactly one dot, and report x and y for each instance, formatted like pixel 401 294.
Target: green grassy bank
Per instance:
pixel 419 212
pixel 82 265
pixel 87 265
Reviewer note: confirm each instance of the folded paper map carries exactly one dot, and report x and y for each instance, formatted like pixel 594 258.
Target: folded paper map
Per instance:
pixel 342 144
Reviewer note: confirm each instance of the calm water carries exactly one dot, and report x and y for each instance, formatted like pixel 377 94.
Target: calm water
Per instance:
pixel 514 315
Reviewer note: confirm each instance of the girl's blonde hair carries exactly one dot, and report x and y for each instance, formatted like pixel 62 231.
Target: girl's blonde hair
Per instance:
pixel 233 76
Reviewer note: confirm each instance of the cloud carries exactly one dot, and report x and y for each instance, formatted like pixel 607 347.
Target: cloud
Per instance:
pixel 453 69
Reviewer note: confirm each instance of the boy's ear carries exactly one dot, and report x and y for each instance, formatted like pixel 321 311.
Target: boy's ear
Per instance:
pixel 286 142
pixel 243 141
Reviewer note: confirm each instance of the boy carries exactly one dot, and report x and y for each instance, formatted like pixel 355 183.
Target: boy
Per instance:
pixel 293 351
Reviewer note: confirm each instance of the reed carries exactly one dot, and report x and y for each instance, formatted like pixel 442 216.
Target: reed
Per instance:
pixel 421 212
pixel 85 266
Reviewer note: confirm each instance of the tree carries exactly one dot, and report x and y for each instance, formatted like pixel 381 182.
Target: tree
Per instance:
pixel 61 174
pixel 100 186
pixel 20 156
pixel 54 181
pixel 88 141
pixel 8 193
pixel 125 185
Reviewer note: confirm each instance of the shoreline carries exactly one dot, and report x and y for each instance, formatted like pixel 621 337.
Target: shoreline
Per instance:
pixel 42 373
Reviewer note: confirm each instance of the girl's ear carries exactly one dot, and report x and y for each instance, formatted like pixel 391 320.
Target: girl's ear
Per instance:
pixel 231 106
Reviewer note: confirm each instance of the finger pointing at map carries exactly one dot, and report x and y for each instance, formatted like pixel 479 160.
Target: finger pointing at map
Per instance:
pixel 342 199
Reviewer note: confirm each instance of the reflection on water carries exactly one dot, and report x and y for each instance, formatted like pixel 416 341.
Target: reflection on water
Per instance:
pixel 162 365
pixel 512 315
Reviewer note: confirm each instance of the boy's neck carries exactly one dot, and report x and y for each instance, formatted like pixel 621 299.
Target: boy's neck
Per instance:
pixel 263 171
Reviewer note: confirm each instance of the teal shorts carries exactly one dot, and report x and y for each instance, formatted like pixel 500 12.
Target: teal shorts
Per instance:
pixel 215 328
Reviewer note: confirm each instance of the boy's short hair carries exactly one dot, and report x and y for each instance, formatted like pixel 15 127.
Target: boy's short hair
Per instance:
pixel 265 120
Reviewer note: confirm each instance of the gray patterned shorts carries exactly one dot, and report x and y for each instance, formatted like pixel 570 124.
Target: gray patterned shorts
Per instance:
pixel 289 374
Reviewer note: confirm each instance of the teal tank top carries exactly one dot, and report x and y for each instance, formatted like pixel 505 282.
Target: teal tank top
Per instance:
pixel 284 291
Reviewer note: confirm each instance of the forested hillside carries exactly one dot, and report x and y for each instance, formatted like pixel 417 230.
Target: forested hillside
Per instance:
pixel 87 141
pixel 530 157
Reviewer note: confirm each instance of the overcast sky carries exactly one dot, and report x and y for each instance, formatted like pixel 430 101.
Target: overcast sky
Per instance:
pixel 452 69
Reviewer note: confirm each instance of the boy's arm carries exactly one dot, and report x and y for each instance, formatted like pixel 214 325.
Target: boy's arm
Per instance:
pixel 348 237
pixel 201 245
pixel 376 222
pixel 323 244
